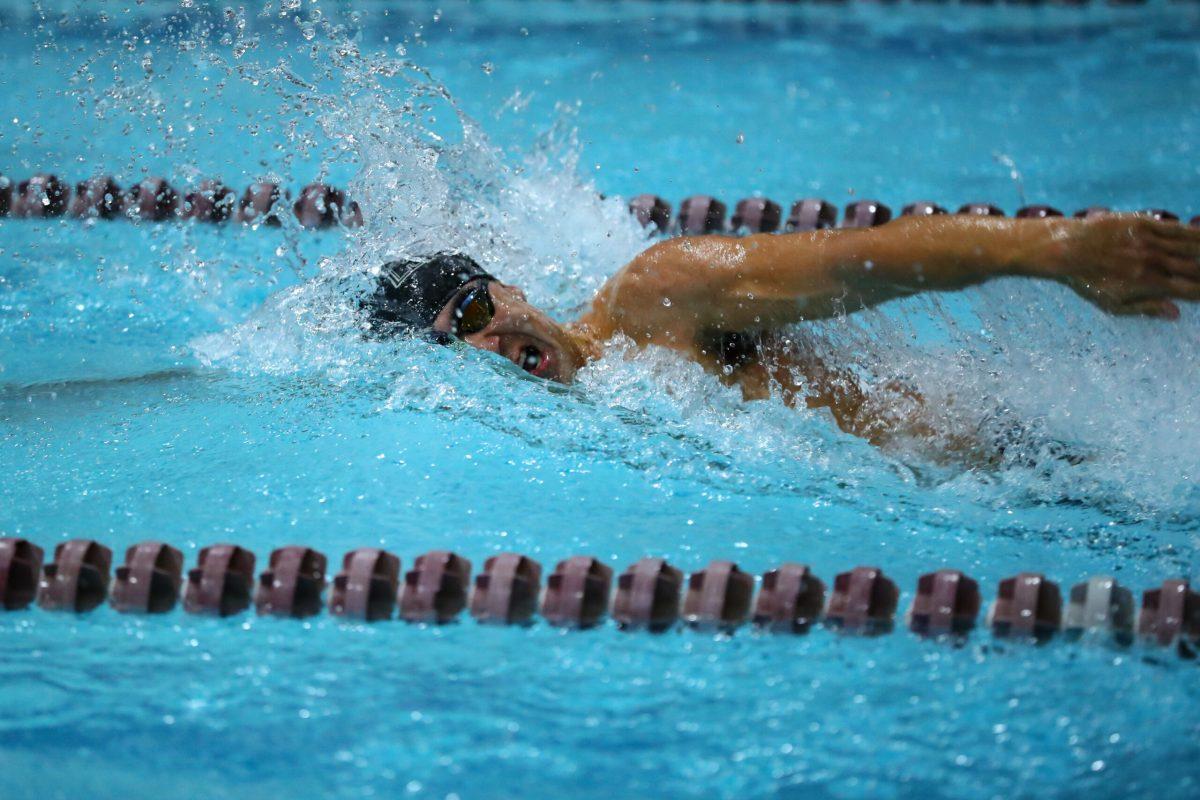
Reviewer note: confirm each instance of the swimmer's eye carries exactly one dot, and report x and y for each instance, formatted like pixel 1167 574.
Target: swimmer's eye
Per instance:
pixel 531 359
pixel 473 310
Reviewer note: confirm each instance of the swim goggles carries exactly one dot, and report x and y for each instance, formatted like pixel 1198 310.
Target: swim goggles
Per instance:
pixel 473 311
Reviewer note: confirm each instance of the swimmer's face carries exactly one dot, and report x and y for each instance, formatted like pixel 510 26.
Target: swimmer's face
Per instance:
pixel 518 331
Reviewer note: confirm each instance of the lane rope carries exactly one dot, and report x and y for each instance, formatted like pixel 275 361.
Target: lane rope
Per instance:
pixel 43 196
pixel 650 595
pixel 320 206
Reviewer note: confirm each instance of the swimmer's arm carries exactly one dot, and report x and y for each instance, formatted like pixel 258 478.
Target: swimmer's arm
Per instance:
pixel 1123 263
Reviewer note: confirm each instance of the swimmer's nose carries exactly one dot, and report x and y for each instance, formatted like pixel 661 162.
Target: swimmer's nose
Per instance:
pixel 504 316
pixel 506 319
pixel 502 292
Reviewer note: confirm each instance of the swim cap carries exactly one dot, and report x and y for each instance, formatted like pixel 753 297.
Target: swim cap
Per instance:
pixel 411 294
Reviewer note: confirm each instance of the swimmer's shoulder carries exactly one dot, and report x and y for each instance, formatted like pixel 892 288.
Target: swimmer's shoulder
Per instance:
pixel 661 296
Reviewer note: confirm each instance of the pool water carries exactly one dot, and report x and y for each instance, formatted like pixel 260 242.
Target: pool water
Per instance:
pixel 202 384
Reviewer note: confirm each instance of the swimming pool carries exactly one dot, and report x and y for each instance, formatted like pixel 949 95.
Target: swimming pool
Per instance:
pixel 192 384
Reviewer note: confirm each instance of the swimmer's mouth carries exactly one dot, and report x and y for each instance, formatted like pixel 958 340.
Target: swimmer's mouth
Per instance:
pixel 530 353
pixel 535 361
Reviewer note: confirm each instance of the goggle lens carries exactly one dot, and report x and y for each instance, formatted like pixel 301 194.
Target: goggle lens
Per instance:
pixel 474 311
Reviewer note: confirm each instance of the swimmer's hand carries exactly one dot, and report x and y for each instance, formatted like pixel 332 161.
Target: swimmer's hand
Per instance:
pixel 1127 263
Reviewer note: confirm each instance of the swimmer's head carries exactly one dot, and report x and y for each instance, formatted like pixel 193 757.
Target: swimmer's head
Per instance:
pixel 449 296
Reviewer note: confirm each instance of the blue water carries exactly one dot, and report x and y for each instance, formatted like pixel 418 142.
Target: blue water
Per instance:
pixel 200 385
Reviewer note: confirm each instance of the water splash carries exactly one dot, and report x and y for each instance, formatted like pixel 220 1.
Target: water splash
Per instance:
pixel 1074 407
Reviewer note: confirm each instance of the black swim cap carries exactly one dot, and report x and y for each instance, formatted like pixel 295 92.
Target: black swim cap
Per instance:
pixel 411 294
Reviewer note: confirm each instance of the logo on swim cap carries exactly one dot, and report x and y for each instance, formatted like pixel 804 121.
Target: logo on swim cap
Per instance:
pixel 411 293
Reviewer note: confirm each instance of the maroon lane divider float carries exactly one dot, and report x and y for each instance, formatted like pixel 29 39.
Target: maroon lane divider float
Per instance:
pixel 436 588
pixel 811 215
pixel 367 585
pixel 757 214
pixel 650 595
pixel 1027 606
pixel 222 582
pixel 1171 614
pixel 718 597
pixel 863 601
pixel 20 571
pixel 790 599
pixel 77 579
pixel 947 602
pixel 506 592
pixel 149 580
pixel 292 584
pixel 577 593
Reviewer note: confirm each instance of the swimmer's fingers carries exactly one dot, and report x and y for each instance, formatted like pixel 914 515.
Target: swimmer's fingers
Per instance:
pixel 1177 264
pixel 1158 309
pixel 1183 288
pixel 1165 278
pixel 1175 275
pixel 1184 253
pixel 1151 295
pixel 1170 268
pixel 1183 268
pixel 1171 231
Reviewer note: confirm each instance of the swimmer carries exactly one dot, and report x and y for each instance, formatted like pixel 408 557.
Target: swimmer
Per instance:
pixel 728 303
